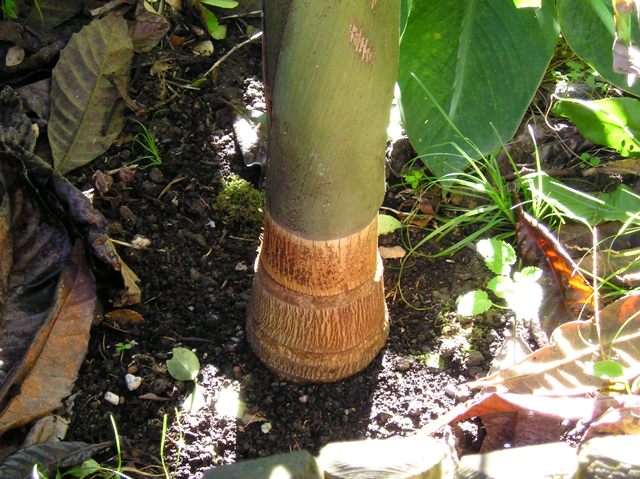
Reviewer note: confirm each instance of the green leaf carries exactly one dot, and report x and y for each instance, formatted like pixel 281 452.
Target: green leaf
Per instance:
pixel 217 31
pixel 88 467
pixel 195 400
pixel 613 122
pixel 501 286
pixel 497 254
pixel 607 369
pixel 87 113
pixel 528 3
pixel 220 3
pixel 473 302
pixel 387 224
pixel 528 273
pixel 455 60
pixel 183 365
pixel 589 30
pixel 622 204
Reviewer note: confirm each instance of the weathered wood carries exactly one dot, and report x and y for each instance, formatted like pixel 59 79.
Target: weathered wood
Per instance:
pixel 414 457
pixel 555 460
pixel 294 465
pixel 610 457
pixel 312 317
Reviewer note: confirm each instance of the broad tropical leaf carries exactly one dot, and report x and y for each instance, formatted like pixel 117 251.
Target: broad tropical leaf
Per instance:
pixel 50 456
pixel 562 368
pixel 590 32
pixel 87 114
pixel 622 204
pixel 481 62
pixel 612 122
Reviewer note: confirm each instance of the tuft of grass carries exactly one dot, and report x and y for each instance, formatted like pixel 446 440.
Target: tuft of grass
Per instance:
pixel 150 154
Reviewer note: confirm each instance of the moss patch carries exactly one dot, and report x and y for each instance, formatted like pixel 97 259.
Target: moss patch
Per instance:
pixel 239 203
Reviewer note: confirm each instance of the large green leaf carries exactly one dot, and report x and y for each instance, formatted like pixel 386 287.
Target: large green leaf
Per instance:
pixel 613 122
pixel 481 61
pixel 588 27
pixel 622 204
pixel 87 113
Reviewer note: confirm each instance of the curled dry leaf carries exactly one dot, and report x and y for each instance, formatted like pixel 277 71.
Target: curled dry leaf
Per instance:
pixel 561 368
pixel 147 29
pixel 124 317
pixel 567 295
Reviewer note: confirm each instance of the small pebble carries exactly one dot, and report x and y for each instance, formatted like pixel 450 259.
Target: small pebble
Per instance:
pixel 266 427
pixel 474 358
pixel 241 266
pixel 112 398
pixel 451 390
pixel 304 399
pixel 404 365
pixel 132 382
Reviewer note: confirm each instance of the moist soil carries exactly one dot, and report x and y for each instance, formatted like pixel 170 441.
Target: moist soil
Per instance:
pixel 196 277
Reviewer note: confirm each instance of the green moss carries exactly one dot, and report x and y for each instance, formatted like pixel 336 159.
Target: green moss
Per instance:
pixel 239 203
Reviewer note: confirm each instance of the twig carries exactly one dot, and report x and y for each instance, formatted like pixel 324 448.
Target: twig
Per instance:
pixel 171 183
pixel 251 39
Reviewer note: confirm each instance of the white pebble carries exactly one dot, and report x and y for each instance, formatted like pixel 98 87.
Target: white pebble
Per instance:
pixel 132 382
pixel 266 427
pixel 112 398
pixel 304 399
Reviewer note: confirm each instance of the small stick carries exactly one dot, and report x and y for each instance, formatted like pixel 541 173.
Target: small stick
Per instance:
pixel 251 39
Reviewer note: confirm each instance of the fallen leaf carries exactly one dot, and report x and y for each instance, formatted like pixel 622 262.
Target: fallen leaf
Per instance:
pixel 562 367
pixel 51 428
pixel 124 317
pixel 567 295
pixel 393 252
pixel 36 97
pixel 147 30
pixel 50 456
pixel 153 397
pixel 629 166
pixel 14 56
pixel 42 366
pixel 86 113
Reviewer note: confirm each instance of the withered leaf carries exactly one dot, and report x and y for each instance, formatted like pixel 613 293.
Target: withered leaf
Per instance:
pixel 124 317
pixel 86 112
pixel 562 367
pixel 567 295
pixel 47 364
pixel 147 29
pixel 50 456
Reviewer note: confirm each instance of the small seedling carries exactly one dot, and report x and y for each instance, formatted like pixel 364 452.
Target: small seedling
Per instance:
pixel 145 140
pixel 184 366
pixel 520 290
pixel 387 224
pixel 588 161
pixel 8 8
pixel 122 347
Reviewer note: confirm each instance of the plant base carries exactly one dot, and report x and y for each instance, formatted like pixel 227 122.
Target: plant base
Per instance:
pixel 317 312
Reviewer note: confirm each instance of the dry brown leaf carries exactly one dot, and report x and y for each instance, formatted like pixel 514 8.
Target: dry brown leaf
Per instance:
pixel 124 317
pixel 561 368
pixel 54 357
pixel 629 166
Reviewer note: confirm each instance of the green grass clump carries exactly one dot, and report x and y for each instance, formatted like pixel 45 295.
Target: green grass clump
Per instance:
pixel 239 203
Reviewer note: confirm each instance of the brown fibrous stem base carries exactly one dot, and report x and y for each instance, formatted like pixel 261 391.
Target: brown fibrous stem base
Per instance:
pixel 317 311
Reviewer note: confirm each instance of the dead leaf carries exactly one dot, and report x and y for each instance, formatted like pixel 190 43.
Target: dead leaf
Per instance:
pixel 45 364
pixel 629 166
pixel 131 293
pixel 562 367
pixel 567 295
pixel 50 456
pixel 393 252
pixel 51 428
pixel 124 317
pixel 36 97
pixel 86 114
pixel 153 397
pixel 14 56
pixel 147 30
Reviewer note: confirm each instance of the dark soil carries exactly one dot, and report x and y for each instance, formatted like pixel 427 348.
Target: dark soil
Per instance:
pixel 196 278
